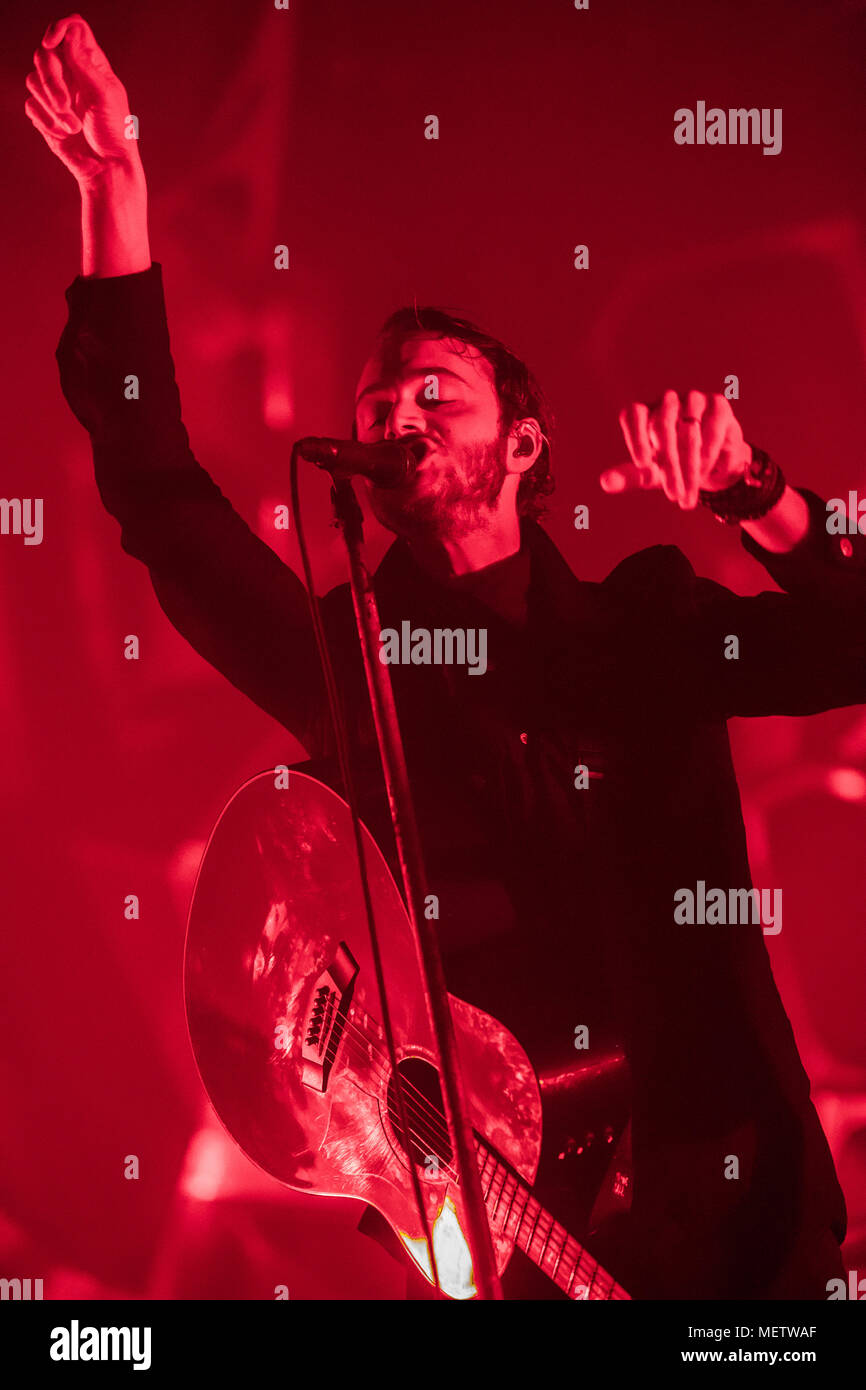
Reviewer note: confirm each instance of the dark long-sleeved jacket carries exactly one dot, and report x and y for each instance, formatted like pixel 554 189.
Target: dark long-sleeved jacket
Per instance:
pixel 556 904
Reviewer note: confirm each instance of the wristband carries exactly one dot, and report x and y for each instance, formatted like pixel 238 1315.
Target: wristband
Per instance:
pixel 751 496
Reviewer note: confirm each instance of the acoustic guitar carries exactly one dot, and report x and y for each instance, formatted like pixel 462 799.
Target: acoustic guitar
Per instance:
pixel 282 1010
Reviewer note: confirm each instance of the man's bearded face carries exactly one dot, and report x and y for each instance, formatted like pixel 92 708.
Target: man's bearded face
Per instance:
pixel 443 392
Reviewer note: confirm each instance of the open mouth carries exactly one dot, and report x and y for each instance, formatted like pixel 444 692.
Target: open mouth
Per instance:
pixel 421 448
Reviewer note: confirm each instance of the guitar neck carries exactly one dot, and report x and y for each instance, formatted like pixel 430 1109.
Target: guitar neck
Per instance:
pixel 514 1212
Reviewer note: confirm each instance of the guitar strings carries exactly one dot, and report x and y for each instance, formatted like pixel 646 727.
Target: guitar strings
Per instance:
pixel 594 1270
pixel 357 1043
pixel 435 1119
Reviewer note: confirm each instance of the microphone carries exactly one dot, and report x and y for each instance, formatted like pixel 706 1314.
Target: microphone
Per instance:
pixel 386 464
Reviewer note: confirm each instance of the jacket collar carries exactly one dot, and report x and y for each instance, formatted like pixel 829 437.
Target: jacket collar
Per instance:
pixel 554 590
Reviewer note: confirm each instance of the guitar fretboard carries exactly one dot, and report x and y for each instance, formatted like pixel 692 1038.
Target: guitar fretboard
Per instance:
pixel 515 1213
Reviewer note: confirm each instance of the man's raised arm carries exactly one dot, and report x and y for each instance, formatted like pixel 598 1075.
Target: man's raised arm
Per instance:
pixel 226 591
pixel 795 653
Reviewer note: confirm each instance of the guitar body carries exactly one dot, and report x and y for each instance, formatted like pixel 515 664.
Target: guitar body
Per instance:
pixel 285 1023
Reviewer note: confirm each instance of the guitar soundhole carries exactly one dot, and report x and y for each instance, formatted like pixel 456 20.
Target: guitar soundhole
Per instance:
pixel 428 1141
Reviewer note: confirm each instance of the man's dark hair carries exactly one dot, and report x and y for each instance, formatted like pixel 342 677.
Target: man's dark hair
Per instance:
pixel 520 396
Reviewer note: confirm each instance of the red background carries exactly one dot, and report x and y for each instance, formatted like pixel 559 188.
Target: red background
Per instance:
pixel 261 127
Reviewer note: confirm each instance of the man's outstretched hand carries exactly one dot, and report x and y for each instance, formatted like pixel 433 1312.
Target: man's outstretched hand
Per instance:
pixel 680 444
pixel 78 104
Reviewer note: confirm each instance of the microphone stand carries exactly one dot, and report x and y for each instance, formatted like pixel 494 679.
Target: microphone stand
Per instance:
pixel 350 520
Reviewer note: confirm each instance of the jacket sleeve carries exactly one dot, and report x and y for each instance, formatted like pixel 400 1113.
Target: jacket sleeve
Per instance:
pixel 793 653
pixel 224 590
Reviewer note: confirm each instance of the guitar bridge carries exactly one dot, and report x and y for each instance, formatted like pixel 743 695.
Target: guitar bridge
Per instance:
pixel 332 994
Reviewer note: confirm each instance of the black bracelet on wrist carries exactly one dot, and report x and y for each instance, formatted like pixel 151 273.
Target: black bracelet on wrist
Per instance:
pixel 751 496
